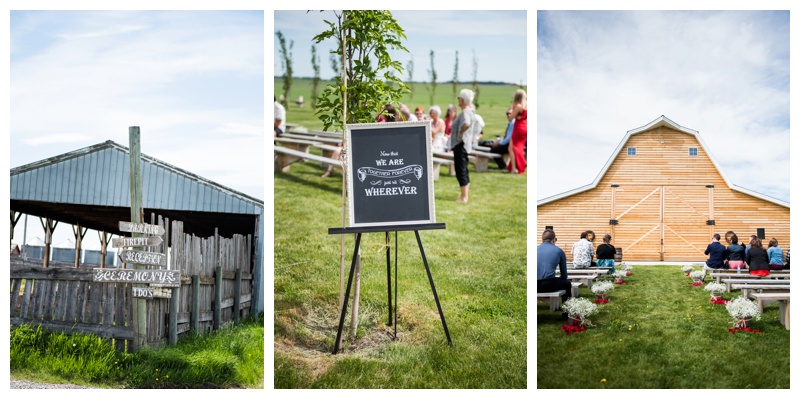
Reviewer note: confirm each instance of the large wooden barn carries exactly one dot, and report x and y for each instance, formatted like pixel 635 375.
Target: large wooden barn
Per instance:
pixel 661 196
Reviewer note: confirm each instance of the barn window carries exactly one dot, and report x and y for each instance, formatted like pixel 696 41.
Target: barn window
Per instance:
pixel 692 151
pixel 631 151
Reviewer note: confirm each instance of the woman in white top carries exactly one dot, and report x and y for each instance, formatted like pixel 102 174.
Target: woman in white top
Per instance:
pixel 438 139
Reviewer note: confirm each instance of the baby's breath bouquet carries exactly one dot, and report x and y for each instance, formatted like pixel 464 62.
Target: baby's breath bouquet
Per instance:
pixel 578 309
pixel 601 289
pixel 716 290
pixel 698 276
pixel 627 269
pixel 687 269
pixel 742 310
pixel 619 276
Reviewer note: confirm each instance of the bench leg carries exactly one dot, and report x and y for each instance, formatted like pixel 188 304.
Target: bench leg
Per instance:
pixel 555 303
pixel 784 310
pixel 574 292
pixel 435 171
pixel 481 164
pixel 452 171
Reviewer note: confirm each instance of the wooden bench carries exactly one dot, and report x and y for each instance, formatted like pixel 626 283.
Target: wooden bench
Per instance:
pixel 327 149
pixel 585 278
pixel 307 137
pixel 294 144
pixel 765 298
pixel 746 288
pixel 719 275
pixel 285 157
pixel 477 158
pixel 730 281
pixel 438 162
pixel 551 298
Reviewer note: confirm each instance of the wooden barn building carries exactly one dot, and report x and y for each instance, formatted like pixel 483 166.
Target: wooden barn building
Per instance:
pixel 661 196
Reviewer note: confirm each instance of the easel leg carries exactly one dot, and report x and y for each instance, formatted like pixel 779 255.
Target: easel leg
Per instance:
pixel 346 295
pixel 389 277
pixel 395 285
pixel 433 288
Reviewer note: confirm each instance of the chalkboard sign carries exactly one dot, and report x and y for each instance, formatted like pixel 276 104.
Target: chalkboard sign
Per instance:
pixel 389 174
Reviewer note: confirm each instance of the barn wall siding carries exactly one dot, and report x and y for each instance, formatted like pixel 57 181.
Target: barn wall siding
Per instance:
pixel 662 195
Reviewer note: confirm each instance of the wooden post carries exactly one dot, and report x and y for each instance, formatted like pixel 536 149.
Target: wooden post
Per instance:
pixel 48 227
pixel 139 317
pixel 194 318
pixel 237 293
pixel 217 297
pixel 79 234
pixel 104 239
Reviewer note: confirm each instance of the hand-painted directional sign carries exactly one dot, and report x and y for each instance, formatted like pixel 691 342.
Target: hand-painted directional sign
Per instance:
pixel 143 228
pixel 137 276
pixel 143 258
pixel 149 241
pixel 148 292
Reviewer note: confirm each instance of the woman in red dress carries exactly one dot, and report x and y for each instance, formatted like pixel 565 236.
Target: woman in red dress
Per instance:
pixel 449 118
pixel 519 136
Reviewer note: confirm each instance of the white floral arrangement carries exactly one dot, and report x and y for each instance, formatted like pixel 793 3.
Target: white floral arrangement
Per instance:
pixel 697 275
pixel 602 287
pixel 579 307
pixel 620 274
pixel 627 268
pixel 687 268
pixel 716 289
pixel 741 308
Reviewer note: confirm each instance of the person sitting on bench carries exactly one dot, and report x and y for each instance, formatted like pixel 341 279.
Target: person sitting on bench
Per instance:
pixel 549 256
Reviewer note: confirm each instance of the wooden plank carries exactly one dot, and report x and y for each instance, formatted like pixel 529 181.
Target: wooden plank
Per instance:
pixel 15 286
pixel 136 241
pixel 109 299
pixel 24 310
pixel 95 300
pixel 72 300
pixel 60 298
pixel 142 257
pixel 142 228
pixel 120 305
pixel 82 315
pixel 136 276
pixel 50 273
pixel 50 301
pixel 195 303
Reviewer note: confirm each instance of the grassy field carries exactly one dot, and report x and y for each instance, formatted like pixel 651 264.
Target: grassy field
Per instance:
pixel 232 357
pixel 659 331
pixel 478 264
pixel 494 100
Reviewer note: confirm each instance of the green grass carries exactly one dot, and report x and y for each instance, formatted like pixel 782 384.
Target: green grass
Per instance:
pixel 232 357
pixel 478 264
pixel 659 331
pixel 494 100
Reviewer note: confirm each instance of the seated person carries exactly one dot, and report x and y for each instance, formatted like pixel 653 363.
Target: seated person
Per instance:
pixel 735 254
pixel 500 146
pixel 549 256
pixel 606 253
pixel 716 254
pixel 582 252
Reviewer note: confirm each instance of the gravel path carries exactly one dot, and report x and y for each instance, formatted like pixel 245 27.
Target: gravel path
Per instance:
pixel 22 384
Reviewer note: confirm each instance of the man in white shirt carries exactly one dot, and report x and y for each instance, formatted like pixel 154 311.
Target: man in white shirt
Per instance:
pixel 582 252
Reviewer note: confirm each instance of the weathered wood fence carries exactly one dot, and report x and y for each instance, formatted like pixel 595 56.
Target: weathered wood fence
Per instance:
pixel 216 289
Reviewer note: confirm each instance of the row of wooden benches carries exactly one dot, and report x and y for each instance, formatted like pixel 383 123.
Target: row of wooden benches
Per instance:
pixel 763 290
pixel 295 145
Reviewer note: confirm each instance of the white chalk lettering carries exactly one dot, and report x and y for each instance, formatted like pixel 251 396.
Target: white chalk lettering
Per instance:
pixel 390 191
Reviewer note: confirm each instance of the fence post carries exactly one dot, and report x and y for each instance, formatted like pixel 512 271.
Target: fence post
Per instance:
pixel 237 293
pixel 173 315
pixel 195 317
pixel 217 296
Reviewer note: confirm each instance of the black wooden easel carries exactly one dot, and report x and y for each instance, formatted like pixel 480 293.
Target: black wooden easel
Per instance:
pixel 386 229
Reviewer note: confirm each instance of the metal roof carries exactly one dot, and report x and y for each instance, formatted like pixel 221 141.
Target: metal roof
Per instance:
pixel 90 186
pixel 661 121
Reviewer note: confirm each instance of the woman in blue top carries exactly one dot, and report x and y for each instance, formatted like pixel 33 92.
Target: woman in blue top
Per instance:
pixel 775 255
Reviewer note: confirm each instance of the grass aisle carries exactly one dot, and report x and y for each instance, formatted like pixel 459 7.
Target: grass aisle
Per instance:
pixel 659 331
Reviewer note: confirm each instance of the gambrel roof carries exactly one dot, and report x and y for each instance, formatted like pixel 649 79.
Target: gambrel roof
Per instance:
pixel 661 121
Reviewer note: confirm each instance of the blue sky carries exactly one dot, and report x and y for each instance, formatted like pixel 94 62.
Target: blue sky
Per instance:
pixel 722 73
pixel 497 37
pixel 192 80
